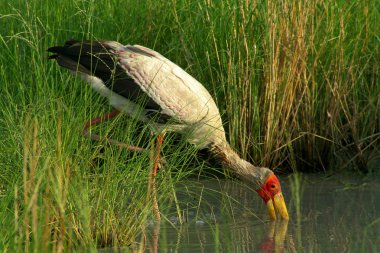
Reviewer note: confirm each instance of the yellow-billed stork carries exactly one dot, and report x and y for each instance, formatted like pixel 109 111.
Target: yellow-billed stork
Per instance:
pixel 142 83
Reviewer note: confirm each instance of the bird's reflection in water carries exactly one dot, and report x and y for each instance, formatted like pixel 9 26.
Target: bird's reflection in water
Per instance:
pixel 275 237
pixel 272 241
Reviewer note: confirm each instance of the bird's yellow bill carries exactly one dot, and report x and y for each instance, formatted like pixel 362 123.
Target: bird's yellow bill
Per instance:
pixel 277 204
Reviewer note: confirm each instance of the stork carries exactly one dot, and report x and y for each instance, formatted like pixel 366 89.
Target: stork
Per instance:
pixel 142 83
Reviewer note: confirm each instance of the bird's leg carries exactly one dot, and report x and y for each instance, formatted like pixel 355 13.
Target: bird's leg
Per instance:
pixel 152 191
pixel 157 158
pixel 95 137
pixel 104 117
pixel 156 149
pixel 156 210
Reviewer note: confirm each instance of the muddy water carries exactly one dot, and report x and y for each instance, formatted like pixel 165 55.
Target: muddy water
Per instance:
pixel 326 215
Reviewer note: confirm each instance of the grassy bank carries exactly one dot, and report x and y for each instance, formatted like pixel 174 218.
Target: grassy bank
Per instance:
pixel 297 84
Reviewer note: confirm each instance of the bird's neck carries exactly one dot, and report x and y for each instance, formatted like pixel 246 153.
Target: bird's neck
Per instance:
pixel 243 169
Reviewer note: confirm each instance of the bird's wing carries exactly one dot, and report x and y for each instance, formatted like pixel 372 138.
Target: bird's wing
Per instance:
pixel 179 94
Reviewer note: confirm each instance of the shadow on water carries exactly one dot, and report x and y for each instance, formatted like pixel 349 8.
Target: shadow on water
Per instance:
pixel 326 215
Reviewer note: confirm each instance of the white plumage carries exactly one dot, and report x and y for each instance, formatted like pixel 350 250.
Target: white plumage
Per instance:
pixel 179 94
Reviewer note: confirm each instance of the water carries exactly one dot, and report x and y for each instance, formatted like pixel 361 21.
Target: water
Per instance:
pixel 337 214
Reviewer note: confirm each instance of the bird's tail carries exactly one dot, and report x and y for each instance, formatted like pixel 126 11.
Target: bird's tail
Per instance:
pixel 89 57
pixel 68 56
pixel 61 50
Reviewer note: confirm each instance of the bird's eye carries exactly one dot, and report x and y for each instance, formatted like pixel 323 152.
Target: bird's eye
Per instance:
pixel 273 186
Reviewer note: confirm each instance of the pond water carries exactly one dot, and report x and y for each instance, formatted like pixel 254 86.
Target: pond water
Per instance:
pixel 336 214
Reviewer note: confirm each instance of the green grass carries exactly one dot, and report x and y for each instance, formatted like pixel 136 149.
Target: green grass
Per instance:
pixel 297 84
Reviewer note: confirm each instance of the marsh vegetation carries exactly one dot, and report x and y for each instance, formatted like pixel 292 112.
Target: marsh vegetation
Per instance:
pixel 297 84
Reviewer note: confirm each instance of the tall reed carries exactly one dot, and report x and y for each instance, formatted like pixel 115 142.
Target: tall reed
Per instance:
pixel 297 84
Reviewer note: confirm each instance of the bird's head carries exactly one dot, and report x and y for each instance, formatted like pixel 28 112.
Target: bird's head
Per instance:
pixel 270 192
pixel 261 179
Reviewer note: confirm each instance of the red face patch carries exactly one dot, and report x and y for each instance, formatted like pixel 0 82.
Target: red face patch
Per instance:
pixel 270 188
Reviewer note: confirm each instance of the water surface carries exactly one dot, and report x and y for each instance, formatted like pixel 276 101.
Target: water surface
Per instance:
pixel 326 215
